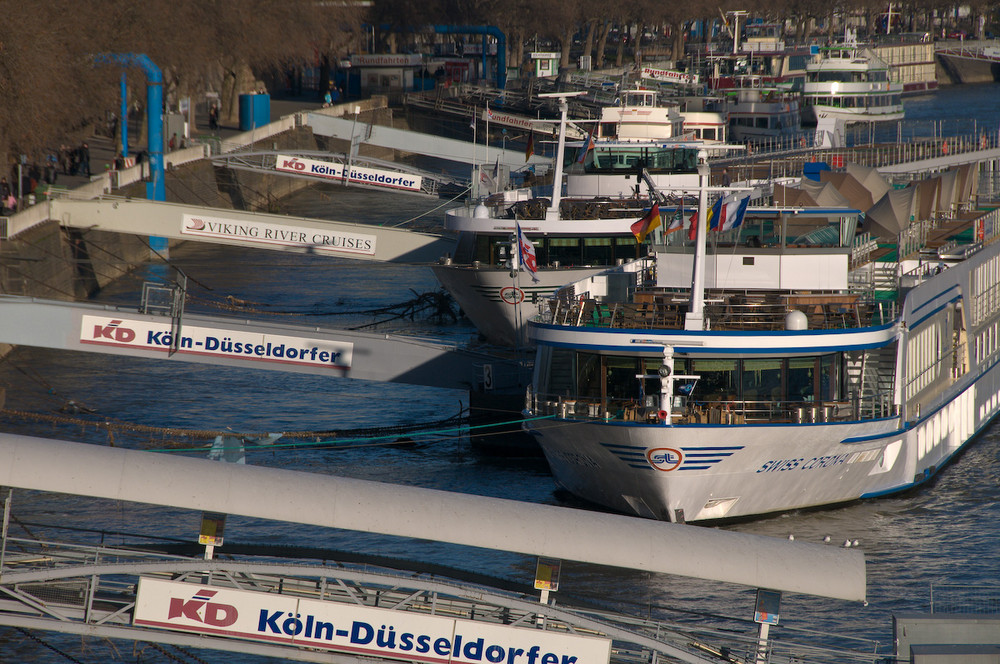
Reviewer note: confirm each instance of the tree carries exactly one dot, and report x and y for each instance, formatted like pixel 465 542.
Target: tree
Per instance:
pixel 51 87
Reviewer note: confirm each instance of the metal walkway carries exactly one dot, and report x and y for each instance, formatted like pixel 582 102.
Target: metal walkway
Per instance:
pixel 121 591
pixel 362 172
pixel 238 342
pixel 249 229
pixel 91 590
pixel 425 144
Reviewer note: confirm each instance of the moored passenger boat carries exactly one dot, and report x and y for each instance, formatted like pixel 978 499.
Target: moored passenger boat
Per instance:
pixel 584 232
pixel 809 371
pixel 849 83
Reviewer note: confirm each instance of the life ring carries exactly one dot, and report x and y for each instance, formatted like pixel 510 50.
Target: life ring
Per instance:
pixel 662 415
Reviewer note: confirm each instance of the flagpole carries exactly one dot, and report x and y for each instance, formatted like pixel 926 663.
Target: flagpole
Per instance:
pixel 475 171
pixel 515 278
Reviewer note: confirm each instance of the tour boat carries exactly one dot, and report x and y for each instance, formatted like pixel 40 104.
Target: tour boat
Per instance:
pixel 848 82
pixel 801 366
pixel 609 187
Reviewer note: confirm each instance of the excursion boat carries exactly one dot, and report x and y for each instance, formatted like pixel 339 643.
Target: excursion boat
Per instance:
pixel 848 82
pixel 799 368
pixel 577 235
pixel 761 114
pixel 761 105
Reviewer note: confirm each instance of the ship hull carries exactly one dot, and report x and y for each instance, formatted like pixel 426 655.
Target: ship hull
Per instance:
pixel 501 306
pixel 721 472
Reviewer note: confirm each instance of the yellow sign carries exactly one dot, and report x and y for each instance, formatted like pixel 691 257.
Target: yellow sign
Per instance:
pixel 547 574
pixel 212 526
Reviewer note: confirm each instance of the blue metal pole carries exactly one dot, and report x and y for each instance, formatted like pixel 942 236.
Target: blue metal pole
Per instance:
pixel 156 189
pixel 493 31
pixel 123 119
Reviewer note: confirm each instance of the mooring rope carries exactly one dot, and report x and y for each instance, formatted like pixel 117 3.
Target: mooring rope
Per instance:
pixel 441 430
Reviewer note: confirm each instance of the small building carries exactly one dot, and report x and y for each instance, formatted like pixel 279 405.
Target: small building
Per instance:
pixel 546 64
pixel 385 73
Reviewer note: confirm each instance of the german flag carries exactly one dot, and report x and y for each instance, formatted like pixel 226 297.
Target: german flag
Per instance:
pixel 530 148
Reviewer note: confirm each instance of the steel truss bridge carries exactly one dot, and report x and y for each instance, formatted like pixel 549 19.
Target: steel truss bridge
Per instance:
pixel 90 590
pixel 131 591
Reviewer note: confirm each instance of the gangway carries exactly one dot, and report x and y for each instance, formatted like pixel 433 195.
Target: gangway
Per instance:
pixel 123 591
pixel 250 229
pixel 428 145
pixel 227 341
pixel 365 172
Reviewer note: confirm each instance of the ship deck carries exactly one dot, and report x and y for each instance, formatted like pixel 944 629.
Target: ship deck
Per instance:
pixel 728 310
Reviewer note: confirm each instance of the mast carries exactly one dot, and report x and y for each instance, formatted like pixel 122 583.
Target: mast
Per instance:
pixel 695 318
pixel 552 214
pixel 736 28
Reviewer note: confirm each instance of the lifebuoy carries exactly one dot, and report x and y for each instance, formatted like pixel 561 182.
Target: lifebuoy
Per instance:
pixel 663 415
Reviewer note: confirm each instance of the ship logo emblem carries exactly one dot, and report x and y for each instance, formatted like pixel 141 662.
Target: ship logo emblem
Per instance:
pixel 512 295
pixel 197 224
pixel 664 458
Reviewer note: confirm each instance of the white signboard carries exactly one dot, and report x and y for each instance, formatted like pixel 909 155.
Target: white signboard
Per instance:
pixel 236 344
pixel 386 60
pixel 329 170
pixel 271 233
pixel 669 75
pixel 354 629
pixel 519 121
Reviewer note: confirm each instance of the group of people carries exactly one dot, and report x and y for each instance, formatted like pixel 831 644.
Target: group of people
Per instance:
pixel 332 95
pixel 73 161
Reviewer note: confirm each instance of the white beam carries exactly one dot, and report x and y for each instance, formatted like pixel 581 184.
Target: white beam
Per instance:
pixel 526 528
pixel 75 326
pixel 251 229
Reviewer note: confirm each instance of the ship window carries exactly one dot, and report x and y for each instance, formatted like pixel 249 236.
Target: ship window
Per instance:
pixel 566 250
pixel 762 380
pixel 801 378
pixel 626 248
pixel 621 377
pixel 719 380
pixel 597 251
pixel 557 376
pixel 492 249
pixel 829 385
pixel 588 371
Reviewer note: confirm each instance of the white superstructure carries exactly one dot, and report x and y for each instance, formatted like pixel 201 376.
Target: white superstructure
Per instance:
pixel 803 388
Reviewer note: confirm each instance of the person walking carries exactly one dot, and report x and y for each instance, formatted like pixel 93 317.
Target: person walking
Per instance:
pixel 213 117
pixel 85 159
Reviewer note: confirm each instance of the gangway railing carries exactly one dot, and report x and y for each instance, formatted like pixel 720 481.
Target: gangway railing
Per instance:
pixel 83 588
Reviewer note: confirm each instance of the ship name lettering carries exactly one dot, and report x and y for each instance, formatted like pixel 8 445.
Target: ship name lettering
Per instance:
pixel 780 465
pixel 826 461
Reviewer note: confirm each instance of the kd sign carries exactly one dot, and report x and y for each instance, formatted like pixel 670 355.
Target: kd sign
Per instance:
pixel 487 376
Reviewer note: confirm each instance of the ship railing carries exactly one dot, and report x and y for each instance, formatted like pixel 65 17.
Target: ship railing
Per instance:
pixel 784 160
pixel 952 598
pixel 722 409
pixel 862 248
pixel 725 311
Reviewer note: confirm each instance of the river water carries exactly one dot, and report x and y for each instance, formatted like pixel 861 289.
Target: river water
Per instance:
pixel 941 535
